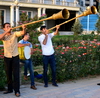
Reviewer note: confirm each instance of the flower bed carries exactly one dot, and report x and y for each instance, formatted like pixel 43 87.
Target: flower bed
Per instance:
pixel 74 62
pixel 77 60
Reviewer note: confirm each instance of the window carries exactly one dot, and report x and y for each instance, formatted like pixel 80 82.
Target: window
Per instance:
pixel 81 3
pixel 1 18
pixel 29 13
pixel 86 4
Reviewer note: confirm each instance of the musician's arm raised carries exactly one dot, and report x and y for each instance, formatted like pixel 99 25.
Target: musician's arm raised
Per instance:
pixel 3 34
pixel 57 28
pixel 45 40
pixel 24 30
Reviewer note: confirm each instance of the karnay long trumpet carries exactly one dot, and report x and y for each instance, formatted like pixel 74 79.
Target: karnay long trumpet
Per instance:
pixel 64 14
pixel 92 10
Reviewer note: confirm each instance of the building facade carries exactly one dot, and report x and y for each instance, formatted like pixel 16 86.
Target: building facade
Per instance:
pixel 10 11
pixel 87 2
pixel 88 22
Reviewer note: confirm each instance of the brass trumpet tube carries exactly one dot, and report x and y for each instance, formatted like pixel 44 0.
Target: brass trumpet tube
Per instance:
pixel 63 23
pixel 32 22
pixel 92 10
pixel 64 14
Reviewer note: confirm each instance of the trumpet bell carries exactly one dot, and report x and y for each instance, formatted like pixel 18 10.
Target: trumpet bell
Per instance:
pixel 91 10
pixel 64 14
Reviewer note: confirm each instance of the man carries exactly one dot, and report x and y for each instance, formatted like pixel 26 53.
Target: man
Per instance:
pixel 48 54
pixel 11 57
pixel 27 62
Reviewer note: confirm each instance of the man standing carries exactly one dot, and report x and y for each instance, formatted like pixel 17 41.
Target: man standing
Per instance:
pixel 48 54
pixel 27 62
pixel 11 57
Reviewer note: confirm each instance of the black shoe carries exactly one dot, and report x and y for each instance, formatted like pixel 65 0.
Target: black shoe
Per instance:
pixel 98 83
pixel 45 85
pixel 17 94
pixel 55 85
pixel 6 92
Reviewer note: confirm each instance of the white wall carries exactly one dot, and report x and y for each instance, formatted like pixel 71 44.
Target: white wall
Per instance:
pixel 8 15
pixel 30 9
pixel 69 0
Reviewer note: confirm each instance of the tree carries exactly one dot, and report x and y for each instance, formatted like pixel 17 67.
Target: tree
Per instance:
pixel 32 28
pixel 77 27
pixel 98 22
pixel 98 25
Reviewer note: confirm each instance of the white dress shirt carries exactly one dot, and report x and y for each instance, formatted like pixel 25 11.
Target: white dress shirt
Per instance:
pixel 48 48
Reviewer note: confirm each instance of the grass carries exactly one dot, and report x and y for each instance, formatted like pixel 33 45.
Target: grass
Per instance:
pixel 39 69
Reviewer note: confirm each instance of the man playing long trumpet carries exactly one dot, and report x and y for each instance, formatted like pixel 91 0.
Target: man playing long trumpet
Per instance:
pixel 48 54
pixel 11 57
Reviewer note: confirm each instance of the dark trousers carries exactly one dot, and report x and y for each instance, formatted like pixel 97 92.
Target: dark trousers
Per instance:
pixel 28 65
pixel 12 72
pixel 49 60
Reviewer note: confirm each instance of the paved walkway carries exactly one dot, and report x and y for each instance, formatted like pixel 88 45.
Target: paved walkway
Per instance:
pixel 83 88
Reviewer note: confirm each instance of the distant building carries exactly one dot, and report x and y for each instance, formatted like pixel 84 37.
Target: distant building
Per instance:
pixel 89 21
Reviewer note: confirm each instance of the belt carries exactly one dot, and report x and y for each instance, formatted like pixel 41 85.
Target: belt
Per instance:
pixel 49 55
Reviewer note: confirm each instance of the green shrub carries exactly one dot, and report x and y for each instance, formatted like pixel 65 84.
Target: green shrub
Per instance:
pixel 2 75
pixel 75 57
pixel 2 71
pixel 79 60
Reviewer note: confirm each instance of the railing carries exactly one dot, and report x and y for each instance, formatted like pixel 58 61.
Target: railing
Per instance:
pixel 66 3
pixel 55 2
pixel 7 0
